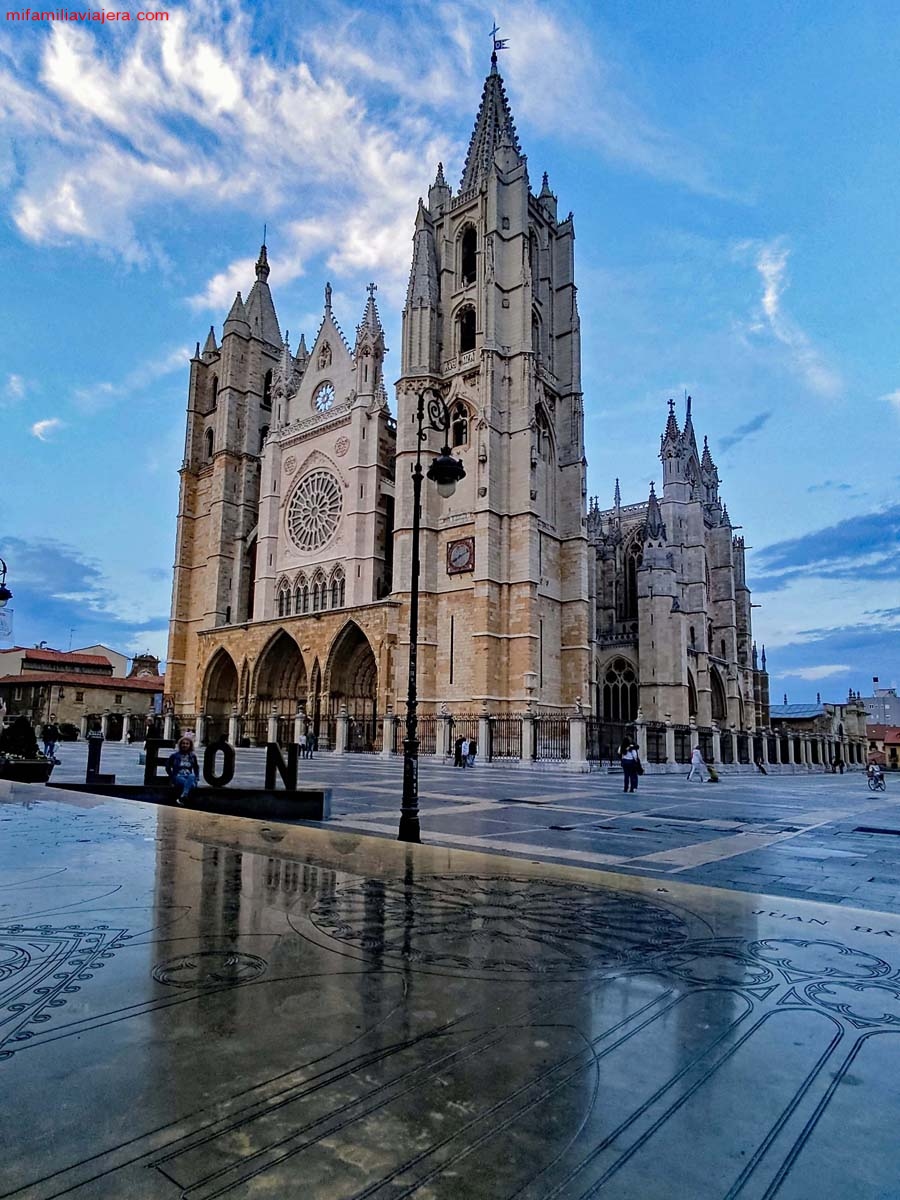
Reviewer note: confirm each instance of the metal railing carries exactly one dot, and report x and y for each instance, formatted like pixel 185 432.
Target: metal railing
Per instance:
pixel 505 737
pixel 682 743
pixel 551 739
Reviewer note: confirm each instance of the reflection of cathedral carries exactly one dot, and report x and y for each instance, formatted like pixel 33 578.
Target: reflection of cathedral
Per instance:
pixel 293 556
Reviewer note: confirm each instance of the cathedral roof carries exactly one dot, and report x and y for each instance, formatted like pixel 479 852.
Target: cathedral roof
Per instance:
pixel 494 127
pixel 260 307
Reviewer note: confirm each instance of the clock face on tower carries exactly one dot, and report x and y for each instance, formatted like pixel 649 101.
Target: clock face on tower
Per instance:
pixel 461 556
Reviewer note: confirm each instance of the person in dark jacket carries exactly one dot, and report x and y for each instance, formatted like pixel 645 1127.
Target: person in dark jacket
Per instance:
pixel 183 769
pixel 631 765
pixel 50 737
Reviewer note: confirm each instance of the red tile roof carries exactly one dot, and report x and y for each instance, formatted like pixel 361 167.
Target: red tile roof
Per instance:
pixel 76 660
pixel 145 683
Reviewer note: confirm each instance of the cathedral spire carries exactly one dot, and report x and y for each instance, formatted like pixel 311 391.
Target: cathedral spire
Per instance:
pixel 423 276
pixel 261 315
pixel 672 432
pixel 617 496
pixel 210 347
pixel 707 461
pixel 236 321
pixel 689 435
pixel 371 322
pixel 494 126
pixel 262 264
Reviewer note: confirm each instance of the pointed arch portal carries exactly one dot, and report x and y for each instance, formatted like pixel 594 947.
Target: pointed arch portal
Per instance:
pixel 220 693
pixel 281 677
pixel 352 673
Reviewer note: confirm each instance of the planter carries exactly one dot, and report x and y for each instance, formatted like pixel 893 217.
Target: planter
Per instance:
pixel 24 770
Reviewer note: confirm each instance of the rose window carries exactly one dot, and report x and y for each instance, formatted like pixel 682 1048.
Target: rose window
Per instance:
pixel 324 397
pixel 315 511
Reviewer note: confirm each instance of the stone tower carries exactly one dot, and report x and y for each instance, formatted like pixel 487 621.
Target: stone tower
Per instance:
pixel 491 322
pixel 229 414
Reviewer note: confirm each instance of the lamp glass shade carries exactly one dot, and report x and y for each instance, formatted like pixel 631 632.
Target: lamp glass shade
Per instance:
pixel 446 471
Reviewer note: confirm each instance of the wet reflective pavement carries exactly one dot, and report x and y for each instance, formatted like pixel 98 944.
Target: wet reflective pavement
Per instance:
pixel 206 1006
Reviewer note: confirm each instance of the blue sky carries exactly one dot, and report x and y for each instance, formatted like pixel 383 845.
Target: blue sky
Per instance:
pixel 733 174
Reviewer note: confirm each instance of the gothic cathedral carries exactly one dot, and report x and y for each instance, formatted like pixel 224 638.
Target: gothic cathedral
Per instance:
pixel 293 555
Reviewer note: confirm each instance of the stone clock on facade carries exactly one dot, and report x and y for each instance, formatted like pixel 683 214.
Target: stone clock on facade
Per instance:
pixel 294 530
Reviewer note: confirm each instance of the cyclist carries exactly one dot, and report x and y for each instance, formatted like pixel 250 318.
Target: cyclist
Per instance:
pixel 876 776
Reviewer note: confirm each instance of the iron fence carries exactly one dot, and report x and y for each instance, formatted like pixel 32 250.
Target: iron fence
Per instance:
pixel 726 741
pixel 682 743
pixel 743 748
pixel 363 735
pixel 656 742
pixel 505 737
pixel 773 748
pixel 604 739
pixel 426 733
pixel 255 731
pixel 705 742
pixel 551 738
pixel 216 729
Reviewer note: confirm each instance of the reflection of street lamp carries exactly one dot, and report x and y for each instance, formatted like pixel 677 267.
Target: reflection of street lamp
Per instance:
pixel 5 593
pixel 445 471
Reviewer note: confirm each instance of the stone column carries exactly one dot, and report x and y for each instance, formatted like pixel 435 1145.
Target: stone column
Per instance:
pixel 387 732
pixel 168 725
pixel 84 726
pixel 578 740
pixel 527 737
pixel 717 743
pixel 126 726
pixel 670 746
pixel 764 746
pixel 443 735
pixel 484 736
pixel 343 725
pixel 234 728
pixel 272 726
pixel 298 725
pixel 641 729
pixel 104 724
pixel 200 731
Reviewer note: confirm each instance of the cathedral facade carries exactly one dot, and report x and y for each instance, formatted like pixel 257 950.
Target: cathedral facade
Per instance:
pixel 293 557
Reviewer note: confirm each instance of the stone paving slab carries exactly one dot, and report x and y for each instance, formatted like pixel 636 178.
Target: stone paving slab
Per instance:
pixel 195 1006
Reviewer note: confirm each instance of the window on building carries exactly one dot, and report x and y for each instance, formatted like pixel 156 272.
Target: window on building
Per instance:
pixel 620 691
pixel 118 699
pixel 214 392
pixel 337 589
pixel 692 696
pixel 79 697
pixel 724 655
pixel 693 636
pixel 267 390
pixel 305 598
pixel 536 335
pixel 628 594
pixel 284 601
pixel 459 429
pixel 209 444
pixel 263 434
pixel 466 329
pixel 469 255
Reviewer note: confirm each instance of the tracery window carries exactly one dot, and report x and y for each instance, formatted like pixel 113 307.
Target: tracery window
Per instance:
pixel 319 593
pixel 465 323
pixel 468 255
pixel 717 698
pixel 323 397
pixel 459 429
pixel 284 600
pixel 315 510
pixel 337 589
pixel 692 696
pixel 267 390
pixel 620 691
pixel 209 443
pixel 628 593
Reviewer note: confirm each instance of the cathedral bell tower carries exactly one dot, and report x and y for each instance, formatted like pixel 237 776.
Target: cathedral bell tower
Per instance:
pixel 491 323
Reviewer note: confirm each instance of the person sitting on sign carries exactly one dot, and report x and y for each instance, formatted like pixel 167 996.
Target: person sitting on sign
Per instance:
pixel 183 769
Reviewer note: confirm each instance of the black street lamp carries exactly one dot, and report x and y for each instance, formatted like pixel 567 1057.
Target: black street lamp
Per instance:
pixel 446 471
pixel 5 593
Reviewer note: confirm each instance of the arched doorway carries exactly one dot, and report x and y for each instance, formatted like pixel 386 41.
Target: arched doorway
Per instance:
pixel 718 700
pixel 352 674
pixel 220 694
pixel 280 677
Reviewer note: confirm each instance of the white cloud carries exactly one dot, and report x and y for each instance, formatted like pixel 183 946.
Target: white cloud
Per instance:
pixel 13 391
pixel 43 430
pixel 771 319
pixel 811 674
pixel 894 399
pixel 338 121
pixel 92 397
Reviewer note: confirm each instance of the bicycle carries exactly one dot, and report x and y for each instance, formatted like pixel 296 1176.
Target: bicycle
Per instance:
pixel 877 783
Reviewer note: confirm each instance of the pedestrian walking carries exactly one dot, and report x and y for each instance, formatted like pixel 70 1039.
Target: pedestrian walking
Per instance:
pixel 457 752
pixel 464 753
pixel 302 744
pixel 312 743
pixel 697 764
pixel 183 769
pixel 631 765
pixel 473 750
pixel 50 737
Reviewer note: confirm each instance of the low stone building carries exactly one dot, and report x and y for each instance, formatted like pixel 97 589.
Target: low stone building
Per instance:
pixel 78 689
pixel 884 745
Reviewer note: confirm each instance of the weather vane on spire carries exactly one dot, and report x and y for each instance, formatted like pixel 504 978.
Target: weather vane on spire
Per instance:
pixel 498 43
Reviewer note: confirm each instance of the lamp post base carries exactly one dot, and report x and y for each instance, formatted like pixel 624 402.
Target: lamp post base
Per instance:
pixel 409 829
